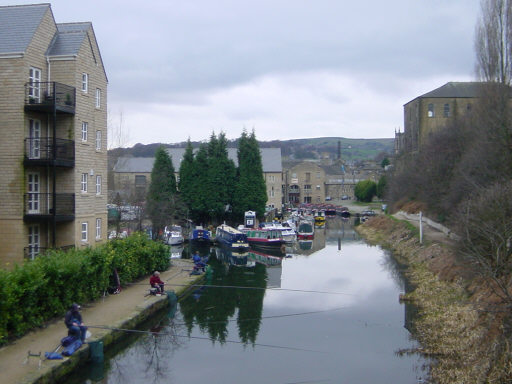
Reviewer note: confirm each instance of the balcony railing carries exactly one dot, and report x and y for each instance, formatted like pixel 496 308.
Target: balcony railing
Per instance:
pixel 43 151
pixel 39 206
pixel 294 190
pixel 50 96
pixel 31 252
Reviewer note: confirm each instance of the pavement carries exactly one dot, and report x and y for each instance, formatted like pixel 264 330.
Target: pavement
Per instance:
pixel 122 310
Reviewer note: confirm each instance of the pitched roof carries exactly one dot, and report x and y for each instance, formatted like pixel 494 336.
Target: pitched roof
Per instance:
pixel 69 39
pixel 270 160
pixel 456 89
pixel 17 26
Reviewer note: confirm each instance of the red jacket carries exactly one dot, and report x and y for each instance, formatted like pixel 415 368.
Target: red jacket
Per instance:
pixel 155 280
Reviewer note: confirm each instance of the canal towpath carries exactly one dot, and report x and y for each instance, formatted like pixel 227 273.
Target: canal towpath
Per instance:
pixel 122 310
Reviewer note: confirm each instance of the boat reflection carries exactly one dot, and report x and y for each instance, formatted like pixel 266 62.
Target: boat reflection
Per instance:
pixel 176 251
pixel 232 257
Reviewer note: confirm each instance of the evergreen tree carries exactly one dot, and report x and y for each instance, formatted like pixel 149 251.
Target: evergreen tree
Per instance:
pixel 251 191
pixel 187 175
pixel 161 201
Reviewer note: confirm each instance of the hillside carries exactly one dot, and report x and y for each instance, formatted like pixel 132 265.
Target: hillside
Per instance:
pixel 351 149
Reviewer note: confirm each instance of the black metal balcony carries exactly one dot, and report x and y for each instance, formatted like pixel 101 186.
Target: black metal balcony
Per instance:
pixel 294 190
pixel 46 151
pixel 40 207
pixel 49 97
pixel 34 251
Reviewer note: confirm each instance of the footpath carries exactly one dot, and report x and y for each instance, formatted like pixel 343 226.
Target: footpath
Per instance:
pixel 124 310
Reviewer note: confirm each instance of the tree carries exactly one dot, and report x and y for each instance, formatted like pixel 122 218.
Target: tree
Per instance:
pixel 162 199
pixel 251 190
pixel 486 235
pixel 493 41
pixel 381 187
pixel 365 190
pixel 385 162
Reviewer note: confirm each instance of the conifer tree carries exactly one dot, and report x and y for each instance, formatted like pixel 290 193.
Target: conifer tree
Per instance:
pixel 162 199
pixel 251 191
pixel 187 175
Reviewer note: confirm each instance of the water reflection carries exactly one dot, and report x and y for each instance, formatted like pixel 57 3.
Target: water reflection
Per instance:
pixel 344 303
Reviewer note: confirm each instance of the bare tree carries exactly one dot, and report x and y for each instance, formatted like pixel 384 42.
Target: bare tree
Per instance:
pixel 493 41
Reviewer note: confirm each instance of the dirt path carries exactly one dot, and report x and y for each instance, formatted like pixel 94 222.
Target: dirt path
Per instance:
pixel 110 310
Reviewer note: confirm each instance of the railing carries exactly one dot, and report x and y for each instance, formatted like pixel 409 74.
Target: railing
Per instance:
pixel 41 204
pixel 31 252
pixel 50 94
pixel 43 149
pixel 294 190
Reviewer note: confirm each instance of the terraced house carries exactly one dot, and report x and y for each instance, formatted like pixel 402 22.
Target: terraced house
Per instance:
pixel 53 120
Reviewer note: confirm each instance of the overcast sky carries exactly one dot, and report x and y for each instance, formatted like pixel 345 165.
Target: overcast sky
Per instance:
pixel 287 68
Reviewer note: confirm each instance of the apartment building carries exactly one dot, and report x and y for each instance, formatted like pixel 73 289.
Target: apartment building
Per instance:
pixel 305 184
pixel 53 120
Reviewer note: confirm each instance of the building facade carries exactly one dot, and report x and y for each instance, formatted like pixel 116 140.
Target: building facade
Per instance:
pixel 132 175
pixel 305 184
pixel 53 117
pixel 433 111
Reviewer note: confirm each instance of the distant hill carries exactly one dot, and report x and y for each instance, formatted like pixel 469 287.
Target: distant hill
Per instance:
pixel 296 149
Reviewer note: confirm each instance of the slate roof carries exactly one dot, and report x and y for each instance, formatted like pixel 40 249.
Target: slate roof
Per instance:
pixel 456 89
pixel 270 159
pixel 69 39
pixel 18 25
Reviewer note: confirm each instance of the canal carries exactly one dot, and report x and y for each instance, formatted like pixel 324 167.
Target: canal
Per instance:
pixel 328 312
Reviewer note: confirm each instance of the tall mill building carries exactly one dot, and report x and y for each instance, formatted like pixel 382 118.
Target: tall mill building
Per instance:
pixel 53 120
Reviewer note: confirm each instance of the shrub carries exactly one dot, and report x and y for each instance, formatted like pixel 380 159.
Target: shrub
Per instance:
pixel 48 285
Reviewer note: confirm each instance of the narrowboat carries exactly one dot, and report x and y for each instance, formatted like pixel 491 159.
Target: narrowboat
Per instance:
pixel 231 237
pixel 305 231
pixel 266 238
pixel 287 232
pixel 199 235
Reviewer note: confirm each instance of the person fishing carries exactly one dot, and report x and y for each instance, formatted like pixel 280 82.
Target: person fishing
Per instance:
pixel 74 323
pixel 199 263
pixel 156 282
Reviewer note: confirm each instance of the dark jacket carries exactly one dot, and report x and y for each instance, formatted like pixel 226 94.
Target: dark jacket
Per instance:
pixel 72 316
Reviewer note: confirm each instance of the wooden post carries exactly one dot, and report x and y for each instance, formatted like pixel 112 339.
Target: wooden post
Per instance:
pixel 421 228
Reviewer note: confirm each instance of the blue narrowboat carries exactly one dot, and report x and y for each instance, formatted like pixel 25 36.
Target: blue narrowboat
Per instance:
pixel 199 235
pixel 231 237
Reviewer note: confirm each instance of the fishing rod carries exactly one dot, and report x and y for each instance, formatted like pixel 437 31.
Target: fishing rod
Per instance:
pixel 269 317
pixel 261 288
pixel 202 338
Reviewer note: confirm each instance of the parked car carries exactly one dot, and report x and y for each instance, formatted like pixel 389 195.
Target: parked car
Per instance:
pixel 345 197
pixel 368 212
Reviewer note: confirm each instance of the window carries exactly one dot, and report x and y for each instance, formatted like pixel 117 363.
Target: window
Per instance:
pixel 85 82
pixel 272 193
pixel 318 187
pixel 98 184
pixel 307 199
pixel 34 81
pixel 318 175
pixel 98 140
pixel 84 231
pixel 140 180
pixel 85 128
pixel 84 182
pixel 34 133
pixel 430 112
pixel 98 229
pixel 446 110
pixel 307 187
pixel 98 97
pixel 33 241
pixel 308 176
pixel 33 188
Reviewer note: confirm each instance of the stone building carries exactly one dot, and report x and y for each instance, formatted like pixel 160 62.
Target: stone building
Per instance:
pixel 132 175
pixel 304 183
pixel 53 117
pixel 434 110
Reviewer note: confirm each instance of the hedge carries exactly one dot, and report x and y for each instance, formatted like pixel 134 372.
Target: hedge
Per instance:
pixel 45 288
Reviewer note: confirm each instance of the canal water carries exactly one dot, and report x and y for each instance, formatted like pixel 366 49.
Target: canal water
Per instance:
pixel 327 312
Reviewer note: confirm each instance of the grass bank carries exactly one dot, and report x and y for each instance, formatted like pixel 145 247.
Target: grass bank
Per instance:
pixel 465 338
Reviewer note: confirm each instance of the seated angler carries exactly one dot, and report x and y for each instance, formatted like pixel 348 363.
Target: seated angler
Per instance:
pixel 156 282
pixel 73 321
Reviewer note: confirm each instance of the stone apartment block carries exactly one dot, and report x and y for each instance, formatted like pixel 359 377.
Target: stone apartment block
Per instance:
pixel 132 175
pixel 434 110
pixel 53 119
